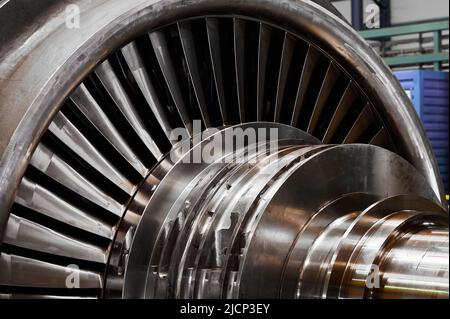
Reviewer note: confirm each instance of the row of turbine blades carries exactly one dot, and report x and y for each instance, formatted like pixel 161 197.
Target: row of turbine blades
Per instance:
pixel 115 127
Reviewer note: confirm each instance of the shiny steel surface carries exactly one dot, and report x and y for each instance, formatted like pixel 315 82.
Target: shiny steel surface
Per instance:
pixel 86 151
pixel 415 260
pixel 181 179
pixel 308 221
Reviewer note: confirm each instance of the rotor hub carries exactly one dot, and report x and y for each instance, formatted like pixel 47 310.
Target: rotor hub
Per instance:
pixel 284 216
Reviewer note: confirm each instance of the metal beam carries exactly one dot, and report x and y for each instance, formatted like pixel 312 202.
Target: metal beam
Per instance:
pixel 357 14
pixel 417 59
pixel 385 13
pixel 437 46
pixel 406 29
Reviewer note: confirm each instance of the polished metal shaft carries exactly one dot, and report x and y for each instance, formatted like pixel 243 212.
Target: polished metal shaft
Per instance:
pixel 417 266
pixel 305 220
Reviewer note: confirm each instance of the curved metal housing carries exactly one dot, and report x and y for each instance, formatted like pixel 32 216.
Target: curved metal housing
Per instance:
pixel 86 115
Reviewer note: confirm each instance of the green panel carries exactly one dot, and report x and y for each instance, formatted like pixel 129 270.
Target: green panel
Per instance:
pixel 437 46
pixel 417 59
pixel 407 29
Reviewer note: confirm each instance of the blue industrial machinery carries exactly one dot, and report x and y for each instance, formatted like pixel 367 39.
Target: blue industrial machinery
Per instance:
pixel 429 93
